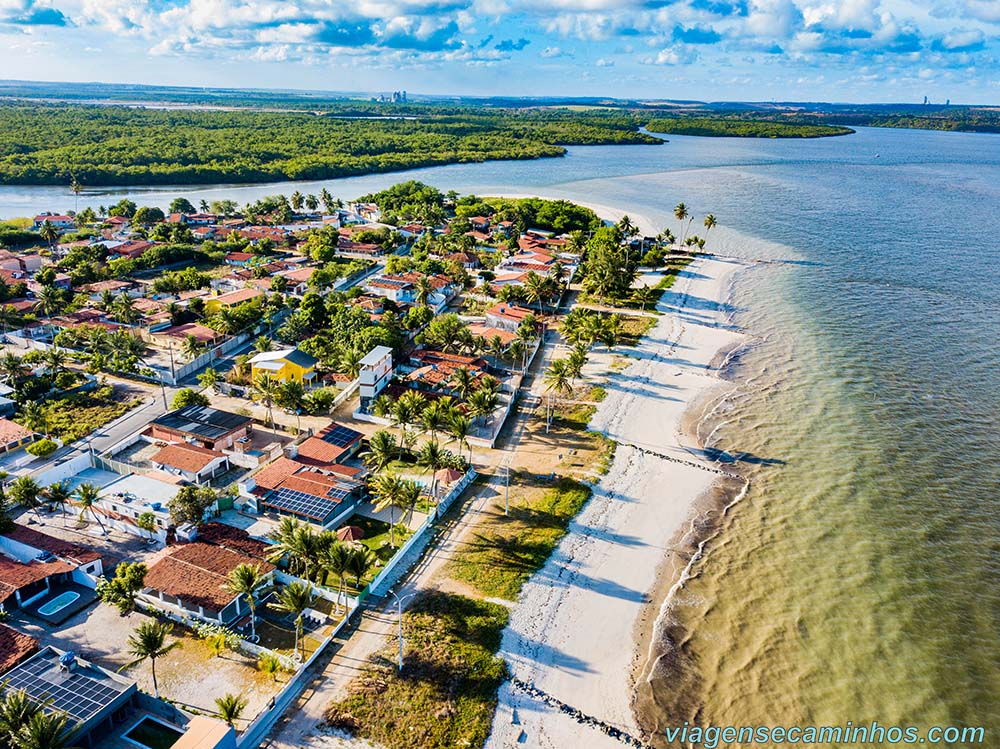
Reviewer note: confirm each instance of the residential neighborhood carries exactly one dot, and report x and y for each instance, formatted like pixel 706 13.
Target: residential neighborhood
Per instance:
pixel 229 429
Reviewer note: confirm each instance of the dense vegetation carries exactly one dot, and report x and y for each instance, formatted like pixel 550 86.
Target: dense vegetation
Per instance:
pixel 53 144
pixel 447 691
pixel 724 127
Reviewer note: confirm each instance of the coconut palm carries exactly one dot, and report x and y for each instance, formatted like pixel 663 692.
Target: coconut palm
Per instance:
pixel 388 489
pixel 517 350
pixel 409 496
pixel 362 560
pixel 8 317
pixel 210 378
pixel 295 541
pixel 459 427
pixel 12 368
pixel 432 457
pixel 336 560
pixel 192 348
pixel 33 416
pixel 58 494
pixel 48 232
pixel 246 580
pixel 149 642
pixel 381 447
pixel 55 360
pixel 43 730
pixel 349 362
pixel 382 406
pixel 25 490
pixel 709 225
pixel 16 711
pixel 294 599
pixel 435 416
pixel 462 381
pixel 424 290
pixel 124 310
pixel 86 497
pixel 231 707
pixel 575 362
pixel 534 288
pixel 49 301
pixel 557 379
pixel 292 395
pixel 265 389
pixel 483 402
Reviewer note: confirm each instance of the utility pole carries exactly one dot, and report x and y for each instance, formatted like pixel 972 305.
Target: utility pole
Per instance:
pixel 506 497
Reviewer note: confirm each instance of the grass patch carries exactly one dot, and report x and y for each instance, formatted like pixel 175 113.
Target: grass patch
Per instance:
pixel 376 538
pixel 75 416
pixel 446 694
pixel 506 551
pixel 633 328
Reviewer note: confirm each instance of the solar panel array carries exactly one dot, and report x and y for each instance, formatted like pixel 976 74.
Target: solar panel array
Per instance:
pixel 340 436
pixel 73 693
pixel 306 504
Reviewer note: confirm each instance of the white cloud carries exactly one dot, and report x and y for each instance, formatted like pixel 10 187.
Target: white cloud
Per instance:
pixel 605 63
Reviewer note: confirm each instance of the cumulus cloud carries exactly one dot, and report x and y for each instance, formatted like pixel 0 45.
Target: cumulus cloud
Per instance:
pixel 30 13
pixel 960 40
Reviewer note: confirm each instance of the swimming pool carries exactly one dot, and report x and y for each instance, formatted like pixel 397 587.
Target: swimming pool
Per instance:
pixel 58 603
pixel 150 733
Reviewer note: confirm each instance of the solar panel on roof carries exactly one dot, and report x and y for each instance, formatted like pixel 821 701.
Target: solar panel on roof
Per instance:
pixel 302 503
pixel 340 436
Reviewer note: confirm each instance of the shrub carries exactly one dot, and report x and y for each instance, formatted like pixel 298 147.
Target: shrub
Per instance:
pixel 42 448
pixel 189 397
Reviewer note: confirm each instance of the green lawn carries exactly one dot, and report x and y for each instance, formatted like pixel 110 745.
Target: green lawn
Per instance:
pixel 72 417
pixel 376 538
pixel 446 694
pixel 506 551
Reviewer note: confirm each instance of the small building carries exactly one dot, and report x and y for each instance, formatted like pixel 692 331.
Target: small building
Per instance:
pixel 192 462
pixel 506 316
pixel 190 580
pixel 203 732
pixel 131 250
pixel 286 365
pixel 170 336
pixel 123 501
pixel 13 436
pixel 239 259
pixel 202 425
pixel 88 695
pixel 32 563
pixel 241 296
pixel 59 221
pixel 375 373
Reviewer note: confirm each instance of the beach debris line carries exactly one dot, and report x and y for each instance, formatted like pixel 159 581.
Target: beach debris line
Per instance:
pixel 690 463
pixel 581 717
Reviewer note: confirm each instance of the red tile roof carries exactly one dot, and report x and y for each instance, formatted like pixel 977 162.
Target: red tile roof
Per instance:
pixel 14 647
pixel 196 573
pixel 55 546
pixel 201 332
pixel 11 431
pixel 316 452
pixel 14 575
pixel 185 457
pixel 270 476
pixel 239 296
pixel 232 538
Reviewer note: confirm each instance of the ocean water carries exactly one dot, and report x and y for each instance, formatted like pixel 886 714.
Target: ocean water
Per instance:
pixel 858 578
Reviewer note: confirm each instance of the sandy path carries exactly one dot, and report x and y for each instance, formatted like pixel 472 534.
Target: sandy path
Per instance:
pixel 572 632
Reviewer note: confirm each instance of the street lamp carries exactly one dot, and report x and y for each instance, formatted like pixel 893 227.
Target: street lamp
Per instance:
pixel 399 620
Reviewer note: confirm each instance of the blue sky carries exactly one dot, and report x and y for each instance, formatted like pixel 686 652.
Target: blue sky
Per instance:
pixel 831 50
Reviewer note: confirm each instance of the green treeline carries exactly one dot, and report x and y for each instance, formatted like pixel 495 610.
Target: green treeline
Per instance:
pixel 720 127
pixel 96 145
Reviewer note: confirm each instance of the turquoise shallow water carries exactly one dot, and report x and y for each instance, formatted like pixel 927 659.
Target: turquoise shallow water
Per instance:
pixel 858 579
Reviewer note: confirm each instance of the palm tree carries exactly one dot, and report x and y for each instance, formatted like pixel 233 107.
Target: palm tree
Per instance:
pixel 263 344
pixel 58 494
pixel 48 232
pixel 336 560
pixel 459 427
pixel 381 446
pixel 231 706
pixel 362 560
pixel 349 362
pixel 424 290
pixel 575 361
pixel 292 395
pixel 55 360
pixel 382 406
pixel 33 416
pixel 86 497
pixel 297 200
pixel 43 730
pixel 246 580
pixel 557 379
pixel 709 225
pixel 435 416
pixel 264 389
pixel 148 642
pixel 312 202
pixel 25 490
pixel 124 309
pixel 388 495
pixel 409 496
pixel 294 599
pixel 192 348
pixel 16 711
pixel 431 457
pixel 462 380
pixel 482 403
pixel 210 378
pixel 8 317
pixel 12 368
pixel 681 213
pixel 534 288
pixel 50 301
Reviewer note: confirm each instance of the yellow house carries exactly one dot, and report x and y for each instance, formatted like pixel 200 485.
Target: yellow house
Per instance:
pixel 214 303
pixel 285 365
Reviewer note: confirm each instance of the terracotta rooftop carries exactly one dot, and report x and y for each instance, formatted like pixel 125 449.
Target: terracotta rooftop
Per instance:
pixel 316 452
pixel 232 538
pixel 56 546
pixel 239 296
pixel 11 431
pixel 185 457
pixel 15 575
pixel 197 572
pixel 273 474
pixel 14 647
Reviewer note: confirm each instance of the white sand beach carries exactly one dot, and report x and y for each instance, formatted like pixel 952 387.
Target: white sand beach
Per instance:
pixel 573 631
